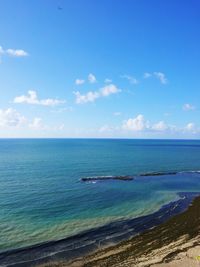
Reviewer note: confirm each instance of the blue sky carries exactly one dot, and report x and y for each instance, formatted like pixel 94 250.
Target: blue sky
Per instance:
pixel 100 68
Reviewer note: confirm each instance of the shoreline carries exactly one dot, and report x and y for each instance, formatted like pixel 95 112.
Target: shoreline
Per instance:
pixel 173 243
pixel 94 240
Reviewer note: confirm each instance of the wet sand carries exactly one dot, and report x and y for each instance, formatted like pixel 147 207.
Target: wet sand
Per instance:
pixel 174 243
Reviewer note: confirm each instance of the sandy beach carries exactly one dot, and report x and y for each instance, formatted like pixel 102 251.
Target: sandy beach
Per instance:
pixel 171 244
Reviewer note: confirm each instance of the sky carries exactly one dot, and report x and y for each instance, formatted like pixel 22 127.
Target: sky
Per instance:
pixel 100 69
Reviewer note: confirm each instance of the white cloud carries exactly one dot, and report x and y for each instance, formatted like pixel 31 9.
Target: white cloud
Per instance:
pixel 16 52
pixel 136 124
pixel 1 50
pixel 62 110
pixel 92 96
pixel 11 118
pixel 14 124
pixel 107 80
pixel 117 113
pixel 105 128
pixel 36 124
pixel 109 89
pixel 191 127
pixel 147 75
pixel 188 107
pixel 160 126
pixel 161 77
pixel 32 98
pixel 61 127
pixel 139 123
pixel 13 52
pixel 89 97
pixel 92 78
pixel 131 79
pixel 51 102
pixel 79 81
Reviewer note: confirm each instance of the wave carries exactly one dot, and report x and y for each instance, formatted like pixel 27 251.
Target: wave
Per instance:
pixel 91 240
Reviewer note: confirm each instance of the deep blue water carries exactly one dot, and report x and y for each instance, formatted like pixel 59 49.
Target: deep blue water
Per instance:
pixel 42 197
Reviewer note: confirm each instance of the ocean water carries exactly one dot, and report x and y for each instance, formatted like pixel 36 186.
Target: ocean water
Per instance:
pixel 43 199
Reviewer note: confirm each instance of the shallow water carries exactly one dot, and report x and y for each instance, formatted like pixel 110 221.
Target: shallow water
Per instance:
pixel 42 197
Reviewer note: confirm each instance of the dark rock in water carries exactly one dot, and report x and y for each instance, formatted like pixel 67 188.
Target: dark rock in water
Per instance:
pixel 102 178
pixel 157 173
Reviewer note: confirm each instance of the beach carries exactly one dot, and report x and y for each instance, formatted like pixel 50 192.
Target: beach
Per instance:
pixel 173 243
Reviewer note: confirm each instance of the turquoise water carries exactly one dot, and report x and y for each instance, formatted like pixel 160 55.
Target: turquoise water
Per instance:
pixel 42 197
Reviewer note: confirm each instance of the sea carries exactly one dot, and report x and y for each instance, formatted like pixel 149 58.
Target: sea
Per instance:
pixel 43 199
